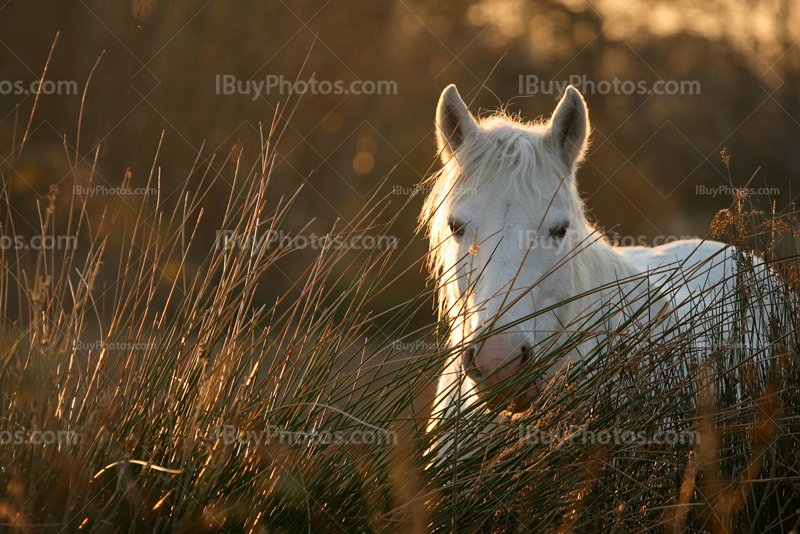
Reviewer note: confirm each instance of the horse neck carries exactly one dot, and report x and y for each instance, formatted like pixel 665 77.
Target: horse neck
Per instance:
pixel 600 265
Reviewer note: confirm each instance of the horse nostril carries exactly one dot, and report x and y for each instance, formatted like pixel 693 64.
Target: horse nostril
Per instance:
pixel 469 366
pixel 475 374
pixel 468 357
pixel 526 350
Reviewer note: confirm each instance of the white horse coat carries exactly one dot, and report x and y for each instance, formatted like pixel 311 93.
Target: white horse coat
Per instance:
pixel 509 241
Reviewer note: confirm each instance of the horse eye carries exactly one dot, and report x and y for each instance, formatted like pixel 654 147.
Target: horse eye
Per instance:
pixel 457 227
pixel 560 230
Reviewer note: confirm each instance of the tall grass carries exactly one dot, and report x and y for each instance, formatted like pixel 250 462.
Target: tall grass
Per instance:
pixel 192 408
pixel 198 408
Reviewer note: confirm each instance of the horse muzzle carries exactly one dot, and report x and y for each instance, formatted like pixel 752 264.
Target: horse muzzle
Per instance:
pixel 495 360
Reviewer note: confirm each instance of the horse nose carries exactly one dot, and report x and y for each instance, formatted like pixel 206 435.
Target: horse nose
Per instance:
pixel 471 369
pixel 496 358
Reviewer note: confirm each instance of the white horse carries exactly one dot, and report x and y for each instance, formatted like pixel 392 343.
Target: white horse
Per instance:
pixel 510 247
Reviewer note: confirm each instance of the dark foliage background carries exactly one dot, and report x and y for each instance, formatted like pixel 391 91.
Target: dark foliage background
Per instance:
pixel 162 58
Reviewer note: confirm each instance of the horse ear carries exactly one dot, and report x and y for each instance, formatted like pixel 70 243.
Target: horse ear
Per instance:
pixel 568 131
pixel 453 122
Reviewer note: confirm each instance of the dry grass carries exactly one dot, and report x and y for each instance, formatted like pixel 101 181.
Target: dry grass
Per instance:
pixel 188 360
